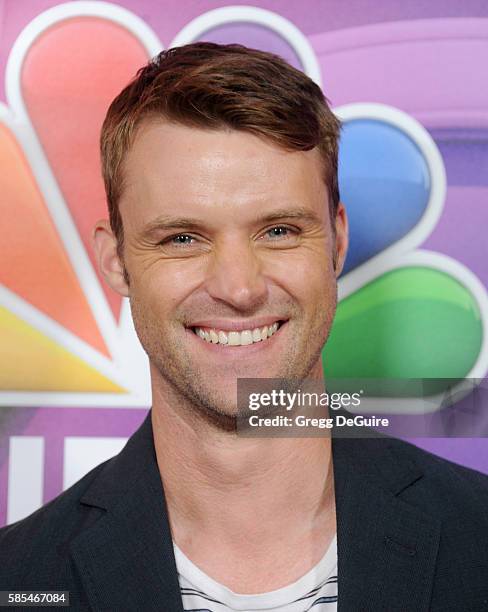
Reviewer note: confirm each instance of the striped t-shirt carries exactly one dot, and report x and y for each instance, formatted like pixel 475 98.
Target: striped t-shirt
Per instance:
pixel 315 591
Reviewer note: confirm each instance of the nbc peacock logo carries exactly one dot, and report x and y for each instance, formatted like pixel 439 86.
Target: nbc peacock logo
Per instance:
pixel 67 340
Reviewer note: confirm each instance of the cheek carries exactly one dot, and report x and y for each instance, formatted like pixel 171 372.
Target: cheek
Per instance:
pixel 164 285
pixel 309 279
pixel 318 297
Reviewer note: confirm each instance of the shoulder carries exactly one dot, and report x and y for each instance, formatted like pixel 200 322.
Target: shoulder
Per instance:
pixel 46 534
pixel 441 473
pixel 424 480
pixel 457 498
pixel 37 551
pixel 455 495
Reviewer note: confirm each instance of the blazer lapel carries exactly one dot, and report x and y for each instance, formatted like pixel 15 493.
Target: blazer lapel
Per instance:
pixel 125 559
pixel 386 548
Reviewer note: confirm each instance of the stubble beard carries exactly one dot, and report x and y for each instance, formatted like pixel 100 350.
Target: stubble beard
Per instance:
pixel 182 381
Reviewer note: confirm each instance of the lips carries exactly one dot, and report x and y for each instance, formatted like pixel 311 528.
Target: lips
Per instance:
pixel 245 339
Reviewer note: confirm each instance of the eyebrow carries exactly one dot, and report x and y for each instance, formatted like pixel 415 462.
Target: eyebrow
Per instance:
pixel 164 222
pixel 301 212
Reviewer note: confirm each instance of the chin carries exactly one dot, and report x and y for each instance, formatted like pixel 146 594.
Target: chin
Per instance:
pixel 223 420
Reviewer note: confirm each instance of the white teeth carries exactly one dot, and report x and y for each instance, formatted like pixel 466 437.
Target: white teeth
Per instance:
pixel 235 338
pixel 246 337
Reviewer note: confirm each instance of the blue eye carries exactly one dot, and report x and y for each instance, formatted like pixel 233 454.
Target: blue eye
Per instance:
pixel 179 240
pixel 280 231
pixel 182 236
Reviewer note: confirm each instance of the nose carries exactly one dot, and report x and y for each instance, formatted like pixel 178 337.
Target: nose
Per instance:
pixel 235 275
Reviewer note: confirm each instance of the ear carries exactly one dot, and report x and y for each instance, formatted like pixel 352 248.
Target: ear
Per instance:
pixel 342 238
pixel 109 263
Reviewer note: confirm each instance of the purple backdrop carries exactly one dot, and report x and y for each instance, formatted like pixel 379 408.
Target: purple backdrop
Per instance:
pixel 431 89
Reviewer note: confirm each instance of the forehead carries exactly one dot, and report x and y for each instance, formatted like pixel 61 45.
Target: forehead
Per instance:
pixel 228 172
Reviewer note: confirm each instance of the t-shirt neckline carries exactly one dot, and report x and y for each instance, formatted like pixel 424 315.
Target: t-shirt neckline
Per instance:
pixel 271 599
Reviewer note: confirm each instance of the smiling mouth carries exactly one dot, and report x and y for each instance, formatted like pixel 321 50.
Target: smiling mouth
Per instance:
pixel 237 338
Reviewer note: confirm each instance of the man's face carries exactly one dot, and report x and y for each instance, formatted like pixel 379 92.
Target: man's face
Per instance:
pixel 226 232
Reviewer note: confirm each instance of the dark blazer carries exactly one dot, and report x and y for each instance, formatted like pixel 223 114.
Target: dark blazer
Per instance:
pixel 412 534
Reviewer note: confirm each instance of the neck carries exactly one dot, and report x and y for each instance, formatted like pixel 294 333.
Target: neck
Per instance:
pixel 233 487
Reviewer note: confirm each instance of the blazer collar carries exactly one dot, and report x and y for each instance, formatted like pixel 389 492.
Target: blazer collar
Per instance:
pixel 126 559
pixel 386 547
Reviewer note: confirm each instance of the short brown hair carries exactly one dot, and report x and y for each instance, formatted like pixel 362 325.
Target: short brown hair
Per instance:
pixel 211 86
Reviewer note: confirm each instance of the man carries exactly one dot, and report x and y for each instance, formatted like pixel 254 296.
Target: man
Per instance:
pixel 227 235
